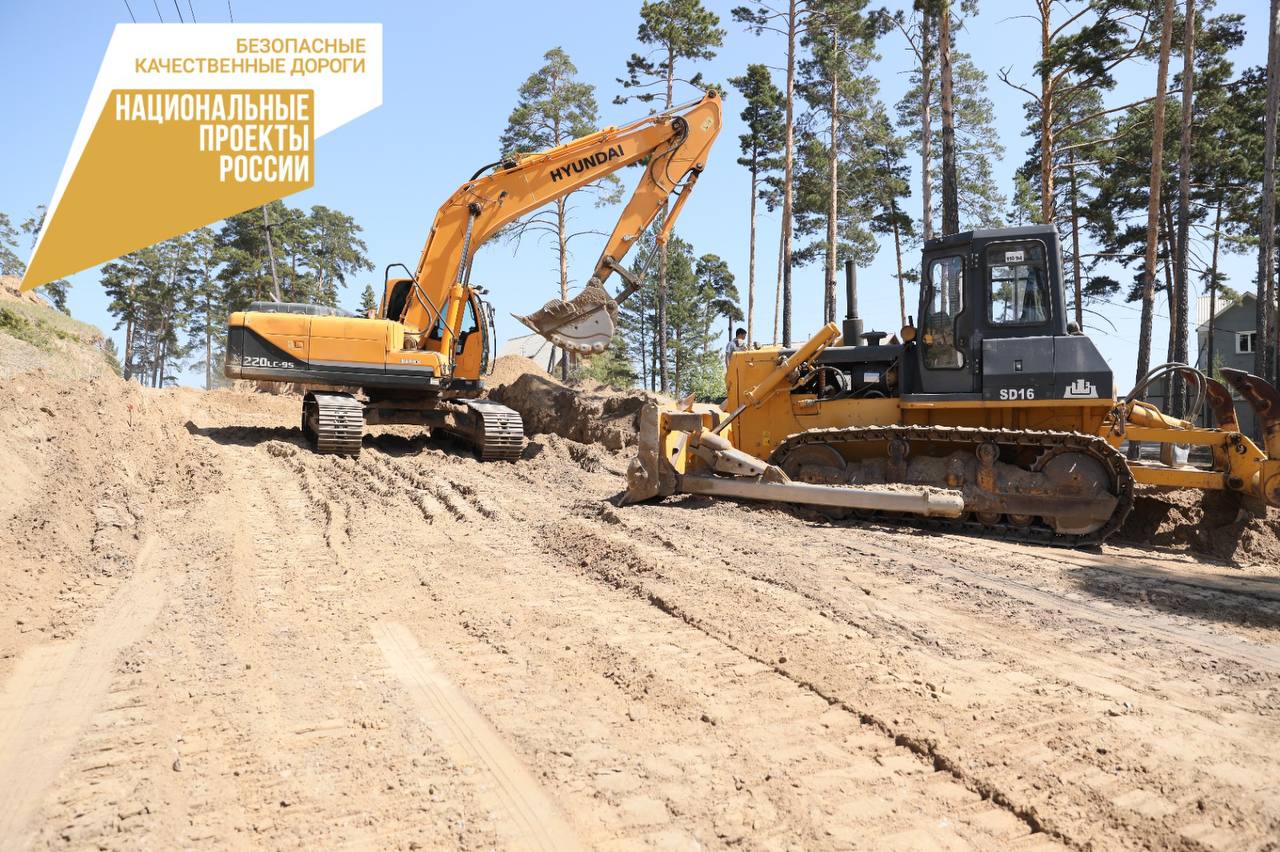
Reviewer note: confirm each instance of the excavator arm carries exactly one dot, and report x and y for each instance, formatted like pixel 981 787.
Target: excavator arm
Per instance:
pixel 673 145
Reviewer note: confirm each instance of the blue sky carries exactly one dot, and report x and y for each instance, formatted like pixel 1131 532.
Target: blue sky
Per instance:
pixel 451 71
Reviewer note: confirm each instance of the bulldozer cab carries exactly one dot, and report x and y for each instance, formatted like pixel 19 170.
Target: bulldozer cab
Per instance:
pixel 993 321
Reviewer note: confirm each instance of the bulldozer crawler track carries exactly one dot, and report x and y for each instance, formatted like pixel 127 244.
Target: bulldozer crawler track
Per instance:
pixel 965 437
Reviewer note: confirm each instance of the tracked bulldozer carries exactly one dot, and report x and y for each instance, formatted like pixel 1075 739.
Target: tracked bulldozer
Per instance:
pixel 994 415
pixel 423 358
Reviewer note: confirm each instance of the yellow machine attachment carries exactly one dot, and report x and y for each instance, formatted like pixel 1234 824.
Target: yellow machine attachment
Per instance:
pixel 995 416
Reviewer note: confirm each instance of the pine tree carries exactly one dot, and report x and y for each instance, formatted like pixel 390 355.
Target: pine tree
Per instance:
pixel 1078 57
pixel 1178 317
pixel 717 282
pixel 761 145
pixel 10 263
pixel 977 144
pixel 1153 205
pixel 55 291
pixel 838 168
pixel 889 192
pixel 1263 361
pixel 332 251
pixel 205 309
pixel 680 31
pixel 916 109
pixel 791 22
pixel 368 301
pixel 840 95
pixel 554 107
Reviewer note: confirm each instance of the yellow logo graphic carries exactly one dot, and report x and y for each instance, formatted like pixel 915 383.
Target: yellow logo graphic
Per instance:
pixel 163 162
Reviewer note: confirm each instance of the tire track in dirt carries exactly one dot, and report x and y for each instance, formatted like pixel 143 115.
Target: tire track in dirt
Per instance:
pixel 56 688
pixel 472 743
pixel 1132 810
pixel 668 678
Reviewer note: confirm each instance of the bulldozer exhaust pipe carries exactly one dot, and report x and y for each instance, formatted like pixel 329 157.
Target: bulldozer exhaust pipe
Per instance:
pixel 929 502
pixel 852 331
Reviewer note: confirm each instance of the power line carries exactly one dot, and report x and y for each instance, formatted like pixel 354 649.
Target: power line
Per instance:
pixel 131 17
pixel 192 11
pixel 229 15
pixel 157 5
pixel 178 9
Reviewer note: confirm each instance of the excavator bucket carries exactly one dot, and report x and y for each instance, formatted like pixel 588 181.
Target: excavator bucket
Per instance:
pixel 584 324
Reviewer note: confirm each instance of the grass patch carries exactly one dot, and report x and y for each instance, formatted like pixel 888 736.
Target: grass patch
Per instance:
pixel 35 330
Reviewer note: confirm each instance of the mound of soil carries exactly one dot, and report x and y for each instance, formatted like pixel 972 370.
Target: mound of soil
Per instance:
pixel 596 415
pixel 508 368
pixel 1214 523
pixel 10 287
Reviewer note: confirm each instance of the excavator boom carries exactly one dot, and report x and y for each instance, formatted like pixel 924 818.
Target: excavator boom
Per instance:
pixel 673 146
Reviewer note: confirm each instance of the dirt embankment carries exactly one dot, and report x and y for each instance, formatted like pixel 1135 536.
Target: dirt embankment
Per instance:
pixel 586 413
pixel 34 336
pixel 1212 523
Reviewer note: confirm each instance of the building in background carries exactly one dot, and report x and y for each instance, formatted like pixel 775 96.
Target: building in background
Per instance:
pixel 1234 337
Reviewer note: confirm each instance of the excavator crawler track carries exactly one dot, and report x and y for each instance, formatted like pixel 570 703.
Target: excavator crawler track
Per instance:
pixel 333 422
pixel 498 433
pixel 947 439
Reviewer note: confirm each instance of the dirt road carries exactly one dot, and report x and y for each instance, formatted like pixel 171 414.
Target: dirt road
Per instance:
pixel 212 636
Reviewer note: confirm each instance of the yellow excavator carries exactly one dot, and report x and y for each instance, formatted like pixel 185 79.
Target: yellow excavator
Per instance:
pixel 423 358
pixel 995 415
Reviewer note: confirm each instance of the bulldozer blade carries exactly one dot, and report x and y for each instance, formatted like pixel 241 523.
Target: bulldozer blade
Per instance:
pixel 649 475
pixel 1265 401
pixel 583 324
pixel 929 502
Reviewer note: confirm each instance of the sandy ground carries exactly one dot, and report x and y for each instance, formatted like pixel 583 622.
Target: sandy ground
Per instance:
pixel 210 636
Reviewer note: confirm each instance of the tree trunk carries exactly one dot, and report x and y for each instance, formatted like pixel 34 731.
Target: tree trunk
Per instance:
pixel 897 253
pixel 926 124
pixel 751 263
pixel 833 165
pixel 1213 304
pixel 271 255
pixel 127 366
pixel 663 365
pixel 777 291
pixel 1153 205
pixel 562 248
pixel 1170 277
pixel 1180 271
pixel 788 169
pixel 950 192
pixel 1266 216
pixel 1075 249
pixel 1046 116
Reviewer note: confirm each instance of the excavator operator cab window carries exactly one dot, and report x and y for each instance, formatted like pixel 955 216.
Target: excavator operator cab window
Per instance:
pixel 1018 285
pixel 945 301
pixel 469 324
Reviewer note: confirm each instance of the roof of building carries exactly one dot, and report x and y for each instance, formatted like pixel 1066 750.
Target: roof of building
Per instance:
pixel 533 346
pixel 1202 307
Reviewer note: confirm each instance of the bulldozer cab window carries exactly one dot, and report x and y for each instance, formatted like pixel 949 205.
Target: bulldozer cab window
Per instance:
pixel 1016 279
pixel 944 304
